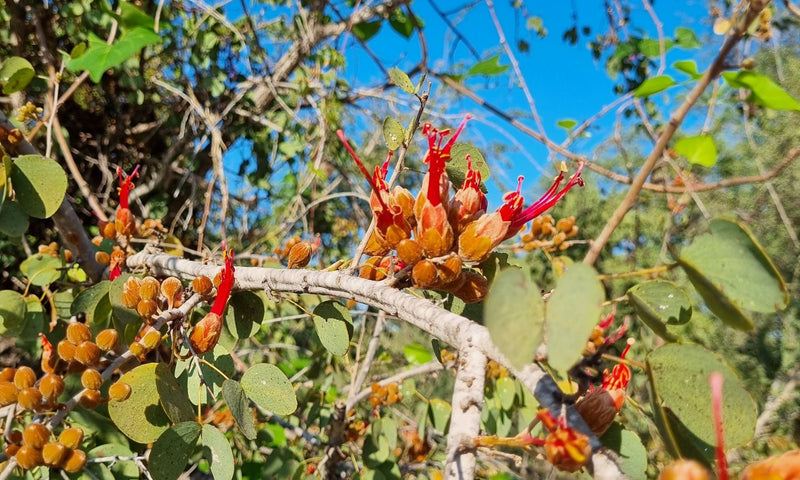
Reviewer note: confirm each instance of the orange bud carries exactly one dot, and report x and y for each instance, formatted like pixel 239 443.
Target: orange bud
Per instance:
pixel 25 377
pixel 90 399
pixel 8 393
pixel 125 222
pixel 482 236
pixel 28 457
pixel 172 289
pixel 409 251
pixel 78 332
pixel 71 437
pixel 474 288
pixel 784 467
pixel 54 454
pixel 598 410
pixel 371 269
pixel 91 379
pixel 424 274
pixel 148 289
pixel 51 386
pixel 107 339
pixel 88 353
pixel 65 350
pixel 202 285
pixel 35 435
pixel 75 461
pixel 206 333
pixel 376 245
pixel 450 270
pixel 151 339
pixel 299 255
pixel 147 308
pixel 683 469
pixel 108 230
pixel 119 391
pixel 29 398
pixel 7 374
pixel 102 258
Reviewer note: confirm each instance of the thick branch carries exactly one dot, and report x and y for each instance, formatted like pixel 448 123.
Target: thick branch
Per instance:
pixel 465 420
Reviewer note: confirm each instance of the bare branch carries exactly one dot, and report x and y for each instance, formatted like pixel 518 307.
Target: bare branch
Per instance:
pixel 465 420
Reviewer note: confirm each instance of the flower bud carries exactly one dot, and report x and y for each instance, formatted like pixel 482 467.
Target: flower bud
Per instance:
pixel 147 308
pixel 91 379
pixel 78 332
pixel 148 289
pixel 119 391
pixel 450 270
pixel 90 399
pixel 151 339
pixel 107 339
pixel 54 454
pixel 71 437
pixel 108 230
pixel 474 288
pixel 28 457
pixel 784 466
pixel 65 350
pixel 172 289
pixel 8 393
pixel 25 377
pixel 29 398
pixel 125 222
pixel 409 251
pixel 206 333
pixel 202 285
pixel 424 274
pixel 299 255
pixel 683 469
pixel 51 386
pixel 103 258
pixel 371 269
pixel 598 410
pixel 376 246
pixel 35 435
pixel 7 374
pixel 88 353
pixel 75 461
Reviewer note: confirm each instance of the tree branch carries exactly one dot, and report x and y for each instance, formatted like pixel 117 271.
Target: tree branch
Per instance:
pixel 465 419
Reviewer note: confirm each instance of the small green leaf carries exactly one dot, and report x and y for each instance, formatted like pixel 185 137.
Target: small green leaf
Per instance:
pixel 650 47
pixel 217 450
pixel 567 124
pixel 12 313
pixel 573 311
pixel 172 450
pixel 100 56
pixel 77 50
pixel 686 38
pixel 514 314
pixel 334 326
pixel 439 414
pixel 13 221
pixel 39 184
pixel 660 303
pixel 239 406
pixel 688 67
pixel 94 303
pixel 457 166
pixel 269 388
pixel 416 354
pixel 174 399
pixel 763 90
pixel 490 66
pixel 699 149
pixel 400 79
pixel 631 451
pixel 393 133
pixel 42 269
pixel 191 380
pixel 131 17
pixel 244 314
pixel 366 30
pixel 15 74
pixel 376 450
pixel 506 391
pixel 402 23
pixel 654 85
pixel 140 416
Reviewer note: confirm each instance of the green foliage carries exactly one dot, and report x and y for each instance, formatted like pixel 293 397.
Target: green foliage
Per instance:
pixel 660 303
pixel 654 85
pixel 699 150
pixel 269 388
pixel 15 74
pixel 141 416
pixel 489 67
pixel 763 91
pixel 39 184
pixel 101 56
pixel 334 326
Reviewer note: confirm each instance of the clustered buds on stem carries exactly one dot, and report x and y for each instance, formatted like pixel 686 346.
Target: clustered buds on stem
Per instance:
pixel 206 333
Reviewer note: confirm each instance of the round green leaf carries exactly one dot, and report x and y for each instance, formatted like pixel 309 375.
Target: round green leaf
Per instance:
pixel 140 416
pixel 393 133
pixel 632 454
pixel 122 469
pixel 660 303
pixel 376 451
pixel 94 303
pixel 439 414
pixel 36 321
pixel 416 354
pixel 506 391
pixel 334 325
pixel 12 312
pixel 699 149
pixel 239 407
pixel 41 269
pixel 172 450
pixel 197 385
pixel 457 166
pixel 15 74
pixel 13 221
pixel 514 314
pixel 679 377
pixel 217 450
pixel 174 400
pixel 244 314
pixel 39 184
pixel 269 388
pixel 654 85
pixel 400 79
pixel 573 311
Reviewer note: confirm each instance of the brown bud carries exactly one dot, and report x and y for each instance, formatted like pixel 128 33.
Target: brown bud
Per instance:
pixel 102 258
pixel 148 290
pixel 8 393
pixel 71 437
pixel 15 436
pixel 24 378
pixel 51 386
pixel 299 255
pixel 54 454
pixel 65 350
pixel 91 379
pixel 28 457
pixel 88 353
pixel 68 257
pixel 151 339
pixel 450 270
pixel 107 339
pixel 683 469
pixel 109 231
pixel 7 374
pixel 119 391
pixel 474 289
pixel 424 274
pixel 75 461
pixel 147 308
pixel 371 269
pixel 598 410
pixel 35 435
pixel 78 333
pixel 202 285
pixel 11 450
pixel 29 398
pixel 125 222
pixel 565 224
pixel 409 251
pixel 90 399
pixel 172 289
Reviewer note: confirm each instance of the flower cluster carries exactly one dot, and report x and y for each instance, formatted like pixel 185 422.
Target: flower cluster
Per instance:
pixel 434 234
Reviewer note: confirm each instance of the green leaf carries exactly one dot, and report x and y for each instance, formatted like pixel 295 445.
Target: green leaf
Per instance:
pixel 269 388
pixel 140 416
pixel 660 303
pixel 650 47
pixel 573 311
pixel 122 316
pixel 514 314
pixel 688 67
pixel 13 221
pixel 679 379
pixel 172 451
pixel 218 452
pixel 567 124
pixel 12 313
pixel 239 406
pixel 393 133
pixel 764 91
pixel 631 451
pixel 42 269
pixel 366 30
pixel 490 66
pixel 439 414
pixel 100 56
pixel 402 23
pixel 400 79
pixel 376 451
pixel 132 17
pixel 121 469
pixel 39 184
pixel 686 38
pixel 15 74
pixel 506 391
pixel 654 85
pixel 731 271
pixel 173 398
pixel 699 149
pixel 416 354
pixel 334 326
pixel 94 303
pixel 244 314
pixel 457 166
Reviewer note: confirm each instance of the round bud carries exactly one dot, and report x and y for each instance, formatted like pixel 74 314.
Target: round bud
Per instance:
pixel 474 289
pixel 102 258
pixel 109 231
pixel 684 470
pixel 450 270
pixel 148 290
pixel 35 435
pixel 90 399
pixel 54 454
pixel 132 284
pixel 299 255
pixel 119 391
pixel 75 461
pixel 91 379
pixel 137 350
pixel 29 457
pixel 129 299
pixel 107 339
pixel 424 274
pixel 565 224
pixel 125 222
pixel 71 437
pixel 172 289
pixel 78 332
pixel 151 339
pixel 24 378
pixel 88 353
pixel 371 269
pixel 8 393
pixel 11 450
pixel 7 374
pixel 51 386
pixel 15 436
pixel 202 285
pixel 29 398
pixel 65 350
pixel 147 308
pixel 409 251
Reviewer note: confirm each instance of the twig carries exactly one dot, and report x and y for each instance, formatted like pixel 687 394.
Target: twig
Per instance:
pixel 372 348
pixel 424 369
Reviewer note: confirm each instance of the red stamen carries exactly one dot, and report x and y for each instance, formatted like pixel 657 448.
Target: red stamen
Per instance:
pixel 46 345
pixel 225 283
pixel 548 200
pixel 473 177
pixel 371 179
pixel 125 186
pixel 446 150
pixel 513 202
pixel 716 381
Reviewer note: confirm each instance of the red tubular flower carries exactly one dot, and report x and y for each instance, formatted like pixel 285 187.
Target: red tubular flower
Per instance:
pixel 206 333
pixel 125 222
pixel 616 382
pixel 469 201
pixel 483 235
pixel 49 358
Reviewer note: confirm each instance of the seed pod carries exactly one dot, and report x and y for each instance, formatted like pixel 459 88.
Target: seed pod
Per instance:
pixel 78 333
pixel 51 386
pixel 148 290
pixel 299 255
pixel 107 339
pixel 147 308
pixel 103 258
pixel 450 270
pixel 75 461
pixel 202 285
pixel 25 377
pixel 29 398
pixel 88 353
pixel 54 454
pixel 172 289
pixel 91 379
pixel 90 399
pixel 409 251
pixel 65 350
pixel 565 224
pixel 424 274
pixel 71 437
pixel 35 435
pixel 119 391
pixel 8 393
pixel 28 457
pixel 7 374
pixel 151 339
pixel 474 289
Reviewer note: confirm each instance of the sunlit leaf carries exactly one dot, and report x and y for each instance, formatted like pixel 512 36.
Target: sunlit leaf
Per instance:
pixel 15 74
pixel 140 416
pixel 699 149
pixel 100 56
pixel 334 326
pixel 488 67
pixel 217 450
pixel 39 185
pixel 269 388
pixel 400 79
pixel 763 91
pixel 239 406
pixel 660 303
pixel 654 85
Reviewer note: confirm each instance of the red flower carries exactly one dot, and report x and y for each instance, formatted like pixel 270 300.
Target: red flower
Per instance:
pixel 125 222
pixel 566 448
pixel 469 201
pixel 206 333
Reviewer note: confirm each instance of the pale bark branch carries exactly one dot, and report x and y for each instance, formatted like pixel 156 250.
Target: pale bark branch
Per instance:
pixel 465 419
